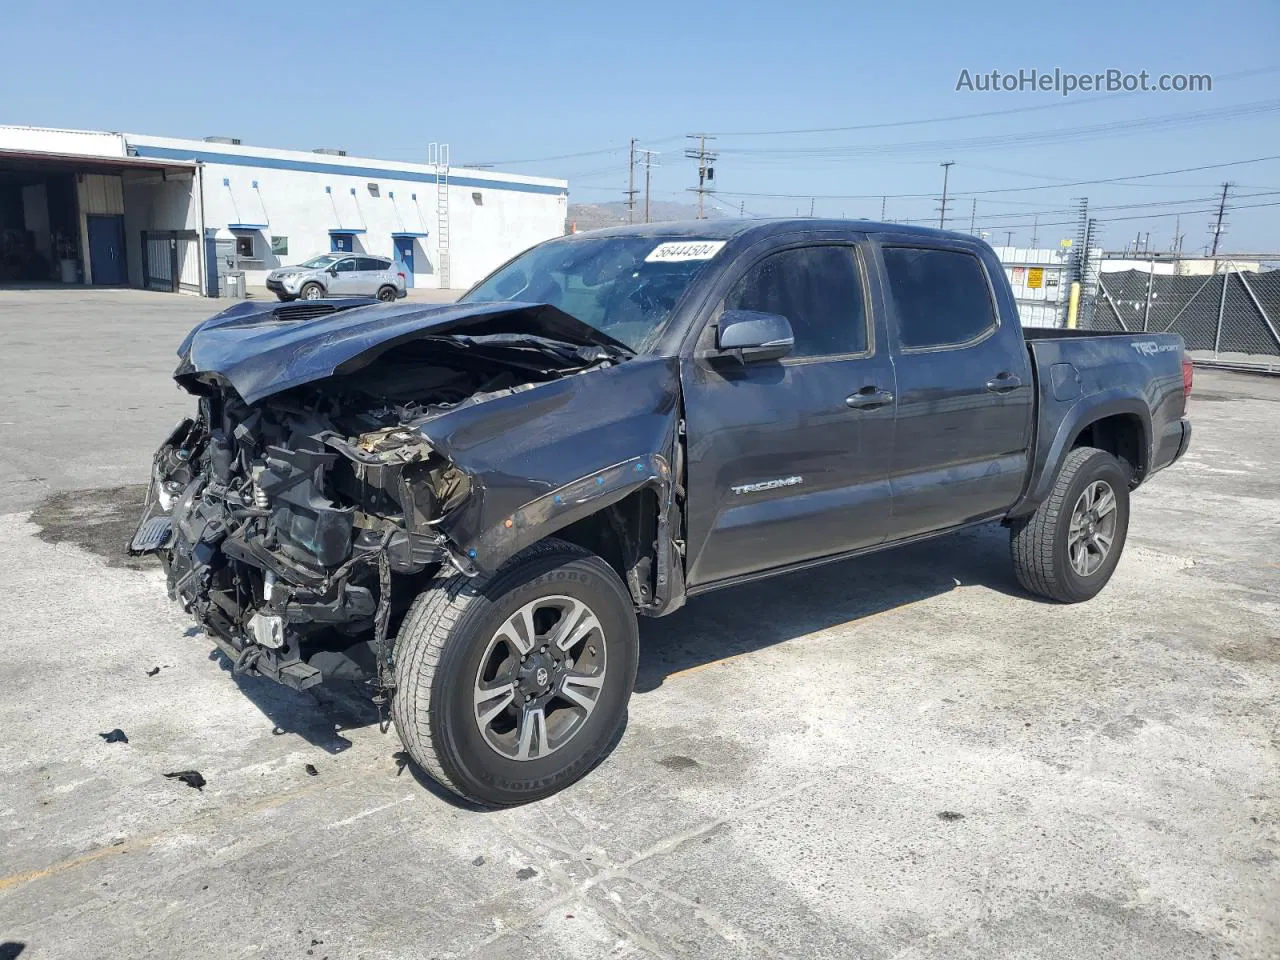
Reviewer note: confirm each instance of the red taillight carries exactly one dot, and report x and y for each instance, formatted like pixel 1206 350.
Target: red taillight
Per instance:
pixel 1188 374
pixel 400 275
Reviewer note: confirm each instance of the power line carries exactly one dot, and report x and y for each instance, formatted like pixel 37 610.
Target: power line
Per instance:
pixel 971 193
pixel 1111 97
pixel 1040 137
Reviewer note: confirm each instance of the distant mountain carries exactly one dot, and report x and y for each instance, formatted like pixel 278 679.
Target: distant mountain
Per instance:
pixel 593 216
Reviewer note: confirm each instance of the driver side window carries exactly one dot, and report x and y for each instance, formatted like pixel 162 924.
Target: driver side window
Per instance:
pixel 818 289
pixel 345 266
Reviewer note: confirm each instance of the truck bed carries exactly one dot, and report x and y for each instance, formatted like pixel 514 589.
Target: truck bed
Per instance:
pixel 1086 373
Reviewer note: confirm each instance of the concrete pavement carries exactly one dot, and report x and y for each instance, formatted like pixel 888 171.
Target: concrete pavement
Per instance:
pixel 901 756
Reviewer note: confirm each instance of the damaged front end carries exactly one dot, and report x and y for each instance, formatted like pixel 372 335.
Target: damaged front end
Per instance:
pixel 332 469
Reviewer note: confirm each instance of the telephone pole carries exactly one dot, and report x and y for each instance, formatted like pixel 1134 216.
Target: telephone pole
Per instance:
pixel 811 207
pixel 942 211
pixel 648 162
pixel 1008 238
pixel 706 170
pixel 884 201
pixel 973 215
pixel 1035 232
pixel 631 184
pixel 1218 226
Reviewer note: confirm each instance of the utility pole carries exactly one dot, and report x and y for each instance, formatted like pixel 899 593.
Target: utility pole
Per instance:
pixel 706 170
pixel 883 203
pixel 1218 225
pixel 973 215
pixel 648 161
pixel 1008 238
pixel 742 208
pixel 631 184
pixel 1035 232
pixel 811 207
pixel 942 211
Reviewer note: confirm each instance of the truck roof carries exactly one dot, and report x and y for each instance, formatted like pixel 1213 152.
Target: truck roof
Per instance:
pixel 759 229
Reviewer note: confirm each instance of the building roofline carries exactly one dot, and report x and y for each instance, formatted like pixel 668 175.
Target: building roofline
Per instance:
pixel 249 155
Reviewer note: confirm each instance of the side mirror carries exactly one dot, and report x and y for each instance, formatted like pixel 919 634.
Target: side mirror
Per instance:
pixel 750 336
pixel 332 271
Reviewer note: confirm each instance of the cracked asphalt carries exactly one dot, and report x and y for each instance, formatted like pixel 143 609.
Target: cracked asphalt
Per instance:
pixel 897 757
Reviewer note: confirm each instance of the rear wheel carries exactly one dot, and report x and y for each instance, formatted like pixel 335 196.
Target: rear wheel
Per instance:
pixel 387 294
pixel 1068 549
pixel 312 291
pixel 512 686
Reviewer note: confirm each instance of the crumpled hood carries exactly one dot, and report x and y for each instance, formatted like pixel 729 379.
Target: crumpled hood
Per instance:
pixel 260 351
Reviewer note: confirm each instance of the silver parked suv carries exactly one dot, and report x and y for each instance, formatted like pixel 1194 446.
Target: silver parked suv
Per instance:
pixel 339 275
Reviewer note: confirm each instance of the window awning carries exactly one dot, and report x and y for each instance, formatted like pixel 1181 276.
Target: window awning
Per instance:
pixel 247 226
pixel 409 233
pixel 345 231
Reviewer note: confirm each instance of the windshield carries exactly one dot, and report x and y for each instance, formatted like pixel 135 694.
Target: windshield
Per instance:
pixel 623 286
pixel 316 263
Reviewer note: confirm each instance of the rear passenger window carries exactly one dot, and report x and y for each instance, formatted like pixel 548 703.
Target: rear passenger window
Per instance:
pixel 367 263
pixel 818 289
pixel 941 296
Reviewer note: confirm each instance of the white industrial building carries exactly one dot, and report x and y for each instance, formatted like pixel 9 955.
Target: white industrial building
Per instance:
pixel 163 213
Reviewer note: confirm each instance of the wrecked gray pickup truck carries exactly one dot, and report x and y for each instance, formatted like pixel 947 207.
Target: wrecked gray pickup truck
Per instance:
pixel 467 506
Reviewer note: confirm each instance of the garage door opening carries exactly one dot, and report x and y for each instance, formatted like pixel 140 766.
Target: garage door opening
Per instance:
pixel 99 221
pixel 39 229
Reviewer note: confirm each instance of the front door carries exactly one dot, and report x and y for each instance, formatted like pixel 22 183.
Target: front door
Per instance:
pixel 106 250
pixel 345 279
pixel 964 391
pixel 404 254
pixel 789 460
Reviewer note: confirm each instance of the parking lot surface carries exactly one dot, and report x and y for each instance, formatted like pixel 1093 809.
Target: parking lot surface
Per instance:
pixel 902 756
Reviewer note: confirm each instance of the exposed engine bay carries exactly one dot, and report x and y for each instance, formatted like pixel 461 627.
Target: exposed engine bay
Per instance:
pixel 288 526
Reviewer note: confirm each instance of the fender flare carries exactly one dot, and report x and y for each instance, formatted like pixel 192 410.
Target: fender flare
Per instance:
pixel 1082 413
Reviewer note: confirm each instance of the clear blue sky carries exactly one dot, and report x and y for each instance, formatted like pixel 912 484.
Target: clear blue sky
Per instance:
pixel 514 81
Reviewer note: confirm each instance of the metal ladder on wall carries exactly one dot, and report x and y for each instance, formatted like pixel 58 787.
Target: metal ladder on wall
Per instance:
pixel 438 156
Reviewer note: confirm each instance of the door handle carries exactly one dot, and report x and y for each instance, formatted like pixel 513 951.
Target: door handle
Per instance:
pixel 1003 383
pixel 868 398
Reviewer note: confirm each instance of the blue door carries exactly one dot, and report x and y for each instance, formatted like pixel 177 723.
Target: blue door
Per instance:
pixel 341 242
pixel 106 251
pixel 404 254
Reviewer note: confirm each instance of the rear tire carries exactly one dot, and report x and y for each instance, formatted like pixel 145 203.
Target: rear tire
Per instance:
pixel 458 650
pixel 1068 549
pixel 311 291
pixel 387 294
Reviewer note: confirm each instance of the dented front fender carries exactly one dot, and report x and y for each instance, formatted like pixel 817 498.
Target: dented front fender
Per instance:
pixel 541 459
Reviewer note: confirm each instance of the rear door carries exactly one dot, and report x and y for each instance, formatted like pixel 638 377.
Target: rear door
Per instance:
pixel 964 388
pixel 789 460
pixel 372 273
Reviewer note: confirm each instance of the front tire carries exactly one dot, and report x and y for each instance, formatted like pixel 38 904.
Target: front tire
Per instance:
pixel 1068 549
pixel 511 686
pixel 312 291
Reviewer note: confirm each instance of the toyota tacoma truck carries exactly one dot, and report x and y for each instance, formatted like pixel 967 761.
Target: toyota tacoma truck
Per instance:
pixel 467 506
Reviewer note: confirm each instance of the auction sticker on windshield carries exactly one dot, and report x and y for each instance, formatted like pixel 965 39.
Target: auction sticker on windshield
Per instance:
pixel 680 250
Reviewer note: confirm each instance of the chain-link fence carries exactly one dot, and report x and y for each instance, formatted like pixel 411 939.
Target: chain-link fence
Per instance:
pixel 1223 309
